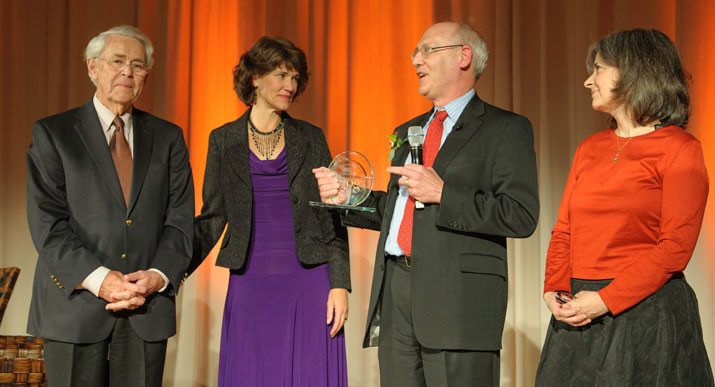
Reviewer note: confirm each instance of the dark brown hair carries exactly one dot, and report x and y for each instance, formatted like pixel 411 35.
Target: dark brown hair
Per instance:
pixel 265 56
pixel 652 83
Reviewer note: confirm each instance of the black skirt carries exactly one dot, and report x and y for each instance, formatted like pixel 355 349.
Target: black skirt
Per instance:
pixel 658 342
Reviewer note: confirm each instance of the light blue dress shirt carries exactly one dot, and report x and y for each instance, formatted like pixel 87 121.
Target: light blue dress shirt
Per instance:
pixel 454 110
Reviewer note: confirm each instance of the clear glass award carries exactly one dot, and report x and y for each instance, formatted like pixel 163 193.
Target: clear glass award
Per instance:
pixel 355 176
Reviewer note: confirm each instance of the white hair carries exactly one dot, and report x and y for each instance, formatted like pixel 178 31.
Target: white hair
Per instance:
pixel 96 45
pixel 480 53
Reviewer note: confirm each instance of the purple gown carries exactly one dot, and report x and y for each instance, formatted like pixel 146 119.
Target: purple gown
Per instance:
pixel 274 331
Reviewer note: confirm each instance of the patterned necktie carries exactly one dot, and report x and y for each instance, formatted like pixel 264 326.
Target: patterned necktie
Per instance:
pixel 429 153
pixel 122 156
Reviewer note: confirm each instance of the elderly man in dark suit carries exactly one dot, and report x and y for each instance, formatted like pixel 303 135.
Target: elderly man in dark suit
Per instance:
pixel 439 288
pixel 110 204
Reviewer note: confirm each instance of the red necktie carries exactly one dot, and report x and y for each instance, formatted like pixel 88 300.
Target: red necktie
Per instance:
pixel 122 156
pixel 429 153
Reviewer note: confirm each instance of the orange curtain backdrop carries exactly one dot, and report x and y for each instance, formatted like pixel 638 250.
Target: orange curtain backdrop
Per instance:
pixel 382 82
pixel 361 84
pixel 697 39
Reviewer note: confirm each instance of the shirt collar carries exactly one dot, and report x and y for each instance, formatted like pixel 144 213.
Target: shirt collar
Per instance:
pixel 106 117
pixel 456 107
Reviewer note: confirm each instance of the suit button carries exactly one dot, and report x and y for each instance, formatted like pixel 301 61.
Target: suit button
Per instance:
pixel 297 228
pixel 124 256
pixel 129 222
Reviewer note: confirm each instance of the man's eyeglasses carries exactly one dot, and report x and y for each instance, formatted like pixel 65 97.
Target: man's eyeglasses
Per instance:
pixel 118 64
pixel 425 51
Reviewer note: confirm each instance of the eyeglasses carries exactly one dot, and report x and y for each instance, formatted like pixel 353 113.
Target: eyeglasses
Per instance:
pixel 118 64
pixel 425 51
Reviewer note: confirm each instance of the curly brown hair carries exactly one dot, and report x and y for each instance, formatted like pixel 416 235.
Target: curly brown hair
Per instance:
pixel 265 56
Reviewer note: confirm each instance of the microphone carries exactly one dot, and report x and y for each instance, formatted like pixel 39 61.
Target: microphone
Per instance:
pixel 416 137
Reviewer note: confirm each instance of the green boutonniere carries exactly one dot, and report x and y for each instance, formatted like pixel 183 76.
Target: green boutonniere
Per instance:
pixel 395 143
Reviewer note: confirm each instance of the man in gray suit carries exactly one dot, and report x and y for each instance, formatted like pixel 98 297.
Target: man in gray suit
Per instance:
pixel 439 288
pixel 110 204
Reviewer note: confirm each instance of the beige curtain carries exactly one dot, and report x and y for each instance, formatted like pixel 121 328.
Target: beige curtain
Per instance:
pixel 362 85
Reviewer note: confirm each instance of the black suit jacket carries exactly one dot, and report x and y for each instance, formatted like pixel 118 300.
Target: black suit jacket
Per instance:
pixel 228 197
pixel 459 269
pixel 79 221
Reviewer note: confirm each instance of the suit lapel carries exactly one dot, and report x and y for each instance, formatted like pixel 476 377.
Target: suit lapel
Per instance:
pixel 468 124
pixel 90 131
pixel 143 143
pixel 296 145
pixel 400 156
pixel 237 151
pixel 404 149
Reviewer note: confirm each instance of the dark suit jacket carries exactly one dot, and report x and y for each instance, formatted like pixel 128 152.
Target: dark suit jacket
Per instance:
pixel 459 269
pixel 228 197
pixel 79 221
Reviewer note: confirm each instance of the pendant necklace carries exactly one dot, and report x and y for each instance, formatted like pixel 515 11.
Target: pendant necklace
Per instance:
pixel 619 146
pixel 266 142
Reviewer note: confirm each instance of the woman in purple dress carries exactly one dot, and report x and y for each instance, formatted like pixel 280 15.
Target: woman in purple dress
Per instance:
pixel 287 297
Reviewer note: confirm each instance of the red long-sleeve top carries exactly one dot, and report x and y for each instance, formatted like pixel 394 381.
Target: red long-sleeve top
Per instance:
pixel 635 219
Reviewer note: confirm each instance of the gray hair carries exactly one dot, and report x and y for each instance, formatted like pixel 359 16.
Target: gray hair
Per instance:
pixel 96 45
pixel 469 37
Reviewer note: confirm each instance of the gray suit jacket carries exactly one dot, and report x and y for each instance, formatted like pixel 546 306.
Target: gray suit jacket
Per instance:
pixel 459 270
pixel 228 198
pixel 79 221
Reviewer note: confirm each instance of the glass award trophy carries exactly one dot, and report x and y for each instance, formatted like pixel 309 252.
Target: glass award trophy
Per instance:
pixel 355 176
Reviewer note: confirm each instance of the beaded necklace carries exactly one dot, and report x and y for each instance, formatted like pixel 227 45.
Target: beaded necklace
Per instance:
pixel 267 142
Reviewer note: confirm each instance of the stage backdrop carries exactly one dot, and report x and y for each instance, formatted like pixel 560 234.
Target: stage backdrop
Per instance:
pixel 362 85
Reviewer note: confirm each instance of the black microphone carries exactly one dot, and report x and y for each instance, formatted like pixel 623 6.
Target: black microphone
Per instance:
pixel 416 137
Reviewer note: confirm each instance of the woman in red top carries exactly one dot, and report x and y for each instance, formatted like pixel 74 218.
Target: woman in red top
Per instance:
pixel 627 226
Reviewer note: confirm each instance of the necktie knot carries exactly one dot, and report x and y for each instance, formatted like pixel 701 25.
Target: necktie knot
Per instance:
pixel 118 123
pixel 440 115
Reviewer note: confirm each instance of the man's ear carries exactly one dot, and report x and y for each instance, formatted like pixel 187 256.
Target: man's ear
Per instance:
pixel 92 68
pixel 465 57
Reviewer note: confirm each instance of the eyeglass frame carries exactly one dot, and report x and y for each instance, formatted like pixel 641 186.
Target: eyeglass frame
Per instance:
pixel 130 63
pixel 425 51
